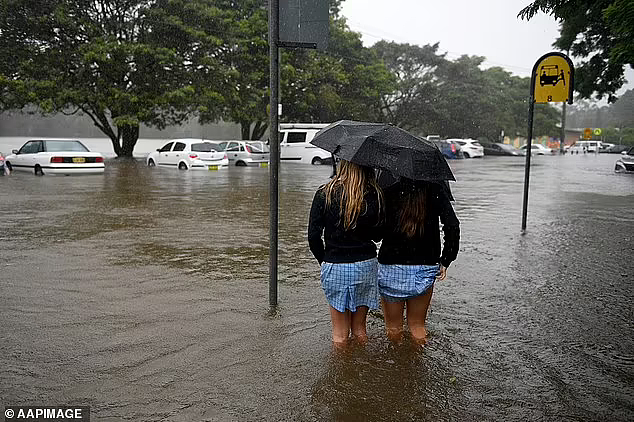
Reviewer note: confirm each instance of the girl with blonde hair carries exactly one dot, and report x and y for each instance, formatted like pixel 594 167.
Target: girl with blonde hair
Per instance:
pixel 347 213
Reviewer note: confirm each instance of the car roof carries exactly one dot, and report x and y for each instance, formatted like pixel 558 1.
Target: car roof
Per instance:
pixel 188 140
pixel 56 140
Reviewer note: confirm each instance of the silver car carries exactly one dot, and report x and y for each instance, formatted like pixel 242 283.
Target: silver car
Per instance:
pixel 626 163
pixel 246 153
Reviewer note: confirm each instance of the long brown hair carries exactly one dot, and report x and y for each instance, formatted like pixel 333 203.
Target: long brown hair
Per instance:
pixel 350 184
pixel 412 212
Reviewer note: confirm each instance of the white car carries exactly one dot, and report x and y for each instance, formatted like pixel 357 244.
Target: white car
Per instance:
pixel 295 146
pixel 538 149
pixel 55 156
pixel 246 153
pixel 470 148
pixel 626 163
pixel 186 154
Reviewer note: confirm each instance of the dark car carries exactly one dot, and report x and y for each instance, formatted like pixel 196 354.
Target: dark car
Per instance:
pixel 617 149
pixel 494 148
pixel 450 149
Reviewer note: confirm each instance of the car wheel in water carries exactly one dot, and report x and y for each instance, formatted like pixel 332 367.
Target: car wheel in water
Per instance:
pixel 317 161
pixel 241 164
pixel 38 171
pixel 466 155
pixel 151 163
pixel 8 164
pixel 182 166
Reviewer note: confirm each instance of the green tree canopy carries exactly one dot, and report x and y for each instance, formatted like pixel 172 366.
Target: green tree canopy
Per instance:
pixel 601 32
pixel 120 63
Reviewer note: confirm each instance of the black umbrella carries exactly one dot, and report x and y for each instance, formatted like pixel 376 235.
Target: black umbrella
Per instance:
pixel 385 147
pixel 387 180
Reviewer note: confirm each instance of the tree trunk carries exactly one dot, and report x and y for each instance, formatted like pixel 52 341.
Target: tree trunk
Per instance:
pixel 129 135
pixel 259 128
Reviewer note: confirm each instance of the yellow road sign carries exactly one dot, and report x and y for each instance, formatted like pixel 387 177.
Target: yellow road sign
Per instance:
pixel 553 79
pixel 587 133
pixel 597 131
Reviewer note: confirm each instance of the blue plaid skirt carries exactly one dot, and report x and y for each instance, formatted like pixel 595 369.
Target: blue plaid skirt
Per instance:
pixel 348 285
pixel 402 282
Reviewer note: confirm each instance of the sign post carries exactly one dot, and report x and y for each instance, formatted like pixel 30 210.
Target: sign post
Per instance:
pixel 552 80
pixel 299 24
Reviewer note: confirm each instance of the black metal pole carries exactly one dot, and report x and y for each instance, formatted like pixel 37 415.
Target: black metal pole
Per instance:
pixel 563 129
pixel 531 105
pixel 274 33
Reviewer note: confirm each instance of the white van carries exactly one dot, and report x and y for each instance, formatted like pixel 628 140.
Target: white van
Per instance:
pixel 581 147
pixel 295 143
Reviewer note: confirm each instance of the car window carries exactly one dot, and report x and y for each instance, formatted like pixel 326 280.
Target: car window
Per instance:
pixel 295 137
pixel 222 145
pixel 233 146
pixel 166 147
pixel 259 147
pixel 31 147
pixel 179 146
pixel 461 142
pixel 206 147
pixel 57 146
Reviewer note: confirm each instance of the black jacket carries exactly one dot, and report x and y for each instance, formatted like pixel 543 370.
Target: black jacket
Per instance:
pixel 420 250
pixel 356 244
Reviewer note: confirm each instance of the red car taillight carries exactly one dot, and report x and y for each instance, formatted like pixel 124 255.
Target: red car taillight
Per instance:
pixel 225 157
pixel 248 149
pixel 193 156
pixel 453 148
pixel 98 159
pixel 57 159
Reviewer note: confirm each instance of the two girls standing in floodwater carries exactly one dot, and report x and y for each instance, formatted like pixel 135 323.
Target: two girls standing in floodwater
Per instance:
pixel 351 213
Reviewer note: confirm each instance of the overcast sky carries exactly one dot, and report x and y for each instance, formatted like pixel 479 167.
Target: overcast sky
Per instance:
pixel 487 28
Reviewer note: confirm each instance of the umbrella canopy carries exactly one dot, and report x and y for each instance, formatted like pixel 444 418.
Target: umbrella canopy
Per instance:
pixel 385 147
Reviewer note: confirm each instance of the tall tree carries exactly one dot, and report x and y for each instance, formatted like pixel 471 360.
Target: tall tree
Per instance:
pixel 345 82
pixel 412 104
pixel 601 32
pixel 121 63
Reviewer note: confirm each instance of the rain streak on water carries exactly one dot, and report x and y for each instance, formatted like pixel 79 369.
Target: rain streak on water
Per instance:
pixel 143 293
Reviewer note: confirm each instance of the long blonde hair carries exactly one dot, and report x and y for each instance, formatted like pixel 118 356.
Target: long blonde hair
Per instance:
pixel 412 212
pixel 350 184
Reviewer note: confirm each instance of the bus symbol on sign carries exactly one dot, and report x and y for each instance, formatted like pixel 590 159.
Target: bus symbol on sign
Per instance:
pixel 550 75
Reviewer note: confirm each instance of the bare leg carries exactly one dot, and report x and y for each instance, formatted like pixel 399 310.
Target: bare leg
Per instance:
pixel 358 324
pixel 416 315
pixel 340 326
pixel 393 314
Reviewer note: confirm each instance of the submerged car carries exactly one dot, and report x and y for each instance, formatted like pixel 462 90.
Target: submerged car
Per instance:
pixel 449 148
pixel 470 147
pixel 186 154
pixel 538 149
pixel 495 148
pixel 55 156
pixel 246 153
pixel 626 163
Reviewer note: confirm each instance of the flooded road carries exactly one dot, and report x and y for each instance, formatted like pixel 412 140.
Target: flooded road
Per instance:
pixel 143 293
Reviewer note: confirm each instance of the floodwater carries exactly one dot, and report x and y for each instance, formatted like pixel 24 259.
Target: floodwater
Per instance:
pixel 143 293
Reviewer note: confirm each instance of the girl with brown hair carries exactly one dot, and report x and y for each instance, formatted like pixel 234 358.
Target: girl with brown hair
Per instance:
pixel 410 258
pixel 347 212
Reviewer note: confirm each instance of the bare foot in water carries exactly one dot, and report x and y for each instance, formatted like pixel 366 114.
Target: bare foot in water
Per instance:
pixel 395 336
pixel 419 336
